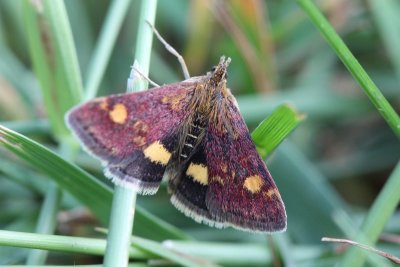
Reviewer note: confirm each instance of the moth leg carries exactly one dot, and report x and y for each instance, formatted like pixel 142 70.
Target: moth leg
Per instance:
pixel 171 50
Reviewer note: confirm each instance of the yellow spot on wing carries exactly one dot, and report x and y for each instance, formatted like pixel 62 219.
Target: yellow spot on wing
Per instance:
pixel 157 153
pixel 224 167
pixel 140 126
pixel 119 113
pixel 139 140
pixel 253 183
pixel 199 173
pixel 104 104
pixel 217 179
pixel 174 100
pixel 270 193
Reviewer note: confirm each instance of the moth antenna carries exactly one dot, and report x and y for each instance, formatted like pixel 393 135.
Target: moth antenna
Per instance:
pixel 132 76
pixel 171 50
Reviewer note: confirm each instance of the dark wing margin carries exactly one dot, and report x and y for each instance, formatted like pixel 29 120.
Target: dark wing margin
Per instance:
pixel 241 192
pixel 133 134
pixel 143 171
pixel 189 188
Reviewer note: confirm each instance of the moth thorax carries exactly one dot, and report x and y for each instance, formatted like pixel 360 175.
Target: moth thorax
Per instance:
pixel 192 137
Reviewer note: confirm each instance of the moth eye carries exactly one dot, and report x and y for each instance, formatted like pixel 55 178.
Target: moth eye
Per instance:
pixel 215 67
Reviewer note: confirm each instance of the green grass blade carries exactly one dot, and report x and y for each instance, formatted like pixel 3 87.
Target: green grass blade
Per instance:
pixel 87 189
pixel 140 249
pixel 229 254
pixel 120 225
pixel 144 40
pixel 92 246
pixel 47 222
pixel 40 60
pixel 351 63
pixel 54 59
pixel 64 43
pixel 168 254
pixel 274 129
pixel 104 46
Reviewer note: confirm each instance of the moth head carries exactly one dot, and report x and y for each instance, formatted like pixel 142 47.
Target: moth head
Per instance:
pixel 219 72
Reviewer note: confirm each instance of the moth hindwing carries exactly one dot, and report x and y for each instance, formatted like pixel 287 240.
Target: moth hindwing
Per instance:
pixel 192 132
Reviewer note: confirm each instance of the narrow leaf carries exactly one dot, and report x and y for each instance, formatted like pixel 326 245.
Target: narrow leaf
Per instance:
pixel 54 59
pixel 89 246
pixel 274 129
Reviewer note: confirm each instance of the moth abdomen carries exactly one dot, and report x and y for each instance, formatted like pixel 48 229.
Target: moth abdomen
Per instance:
pixel 192 135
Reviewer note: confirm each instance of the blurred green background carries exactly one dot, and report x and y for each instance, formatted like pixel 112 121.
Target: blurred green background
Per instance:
pixel 329 171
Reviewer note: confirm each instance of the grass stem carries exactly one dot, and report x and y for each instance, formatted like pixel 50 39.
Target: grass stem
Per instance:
pixel 102 52
pixel 46 223
pixel 124 200
pixel 121 221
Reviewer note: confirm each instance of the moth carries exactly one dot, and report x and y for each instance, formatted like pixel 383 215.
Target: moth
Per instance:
pixel 192 133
